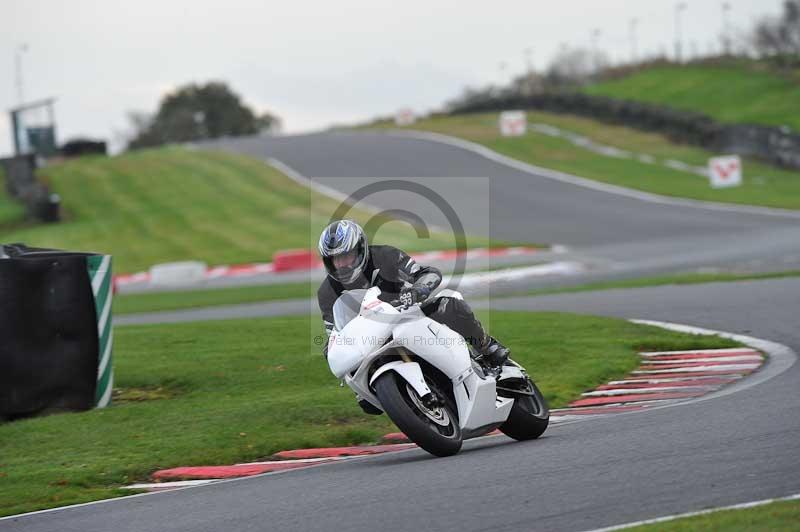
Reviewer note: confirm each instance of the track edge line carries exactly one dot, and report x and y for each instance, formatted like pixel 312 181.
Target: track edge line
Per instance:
pixel 673 517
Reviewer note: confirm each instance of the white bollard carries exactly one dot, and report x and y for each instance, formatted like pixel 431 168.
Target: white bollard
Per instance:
pixel 513 123
pixel 725 171
pixel 177 273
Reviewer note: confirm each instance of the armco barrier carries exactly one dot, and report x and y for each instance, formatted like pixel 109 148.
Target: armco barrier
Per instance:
pixel 55 325
pixel 294 259
pixel 22 185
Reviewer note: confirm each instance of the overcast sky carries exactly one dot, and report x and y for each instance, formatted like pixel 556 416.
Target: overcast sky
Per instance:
pixel 311 63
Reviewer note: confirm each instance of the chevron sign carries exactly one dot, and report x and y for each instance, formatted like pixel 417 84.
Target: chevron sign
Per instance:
pixel 725 171
pixel 513 123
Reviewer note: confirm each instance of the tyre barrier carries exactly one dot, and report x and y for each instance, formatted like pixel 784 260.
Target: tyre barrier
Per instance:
pixel 56 353
pixel 295 259
pixel 23 186
pixel 305 260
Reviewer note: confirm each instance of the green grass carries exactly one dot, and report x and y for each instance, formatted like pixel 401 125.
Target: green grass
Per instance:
pixel 170 204
pixel 737 93
pixel 763 184
pixel 11 212
pixel 673 279
pixel 156 301
pixel 774 517
pixel 233 391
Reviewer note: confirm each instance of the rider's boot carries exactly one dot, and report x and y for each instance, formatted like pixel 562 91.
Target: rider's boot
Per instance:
pixel 493 351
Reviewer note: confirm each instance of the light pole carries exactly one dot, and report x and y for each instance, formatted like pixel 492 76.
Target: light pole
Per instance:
pixel 680 7
pixel 501 68
pixel 595 37
pixel 528 70
pixel 726 31
pixel 529 60
pixel 21 49
pixel 634 23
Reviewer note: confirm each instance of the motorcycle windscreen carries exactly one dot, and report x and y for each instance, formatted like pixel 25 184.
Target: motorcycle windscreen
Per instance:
pixel 347 307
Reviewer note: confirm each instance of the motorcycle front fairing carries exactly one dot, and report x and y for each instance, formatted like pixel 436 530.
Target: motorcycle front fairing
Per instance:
pixel 362 335
pixel 348 348
pixel 476 397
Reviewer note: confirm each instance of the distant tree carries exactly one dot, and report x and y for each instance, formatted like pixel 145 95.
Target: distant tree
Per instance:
pixel 574 67
pixel 471 97
pixel 528 83
pixel 142 132
pixel 267 122
pixel 196 112
pixel 779 37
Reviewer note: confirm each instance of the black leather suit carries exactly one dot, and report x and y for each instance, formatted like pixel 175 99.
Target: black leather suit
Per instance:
pixel 391 270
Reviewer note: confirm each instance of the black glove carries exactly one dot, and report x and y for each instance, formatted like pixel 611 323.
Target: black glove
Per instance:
pixel 413 294
pixel 325 351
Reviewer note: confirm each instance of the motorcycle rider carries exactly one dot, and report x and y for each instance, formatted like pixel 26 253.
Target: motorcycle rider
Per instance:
pixel 351 263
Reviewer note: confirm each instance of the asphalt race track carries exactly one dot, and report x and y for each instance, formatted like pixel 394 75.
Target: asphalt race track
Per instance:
pixel 597 472
pixel 618 236
pixel 525 207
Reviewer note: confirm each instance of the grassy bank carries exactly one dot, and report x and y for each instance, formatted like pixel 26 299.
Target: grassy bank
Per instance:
pixel 745 92
pixel 156 301
pixel 153 302
pixel 781 516
pixel 171 204
pixel 763 184
pixel 11 212
pixel 223 392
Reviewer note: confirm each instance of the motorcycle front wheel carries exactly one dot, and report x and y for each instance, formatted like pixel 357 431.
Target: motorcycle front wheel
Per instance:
pixel 435 429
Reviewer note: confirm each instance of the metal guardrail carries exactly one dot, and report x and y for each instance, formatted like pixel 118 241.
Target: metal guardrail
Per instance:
pixel 22 185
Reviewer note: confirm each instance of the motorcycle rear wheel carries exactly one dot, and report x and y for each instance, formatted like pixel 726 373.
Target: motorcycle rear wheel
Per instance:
pixel 529 416
pixel 434 429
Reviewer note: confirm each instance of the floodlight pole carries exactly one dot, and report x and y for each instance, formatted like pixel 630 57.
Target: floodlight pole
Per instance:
pixel 679 8
pixel 634 48
pixel 595 36
pixel 21 49
pixel 529 61
pixel 726 11
pixel 528 86
pixel 15 129
pixel 501 68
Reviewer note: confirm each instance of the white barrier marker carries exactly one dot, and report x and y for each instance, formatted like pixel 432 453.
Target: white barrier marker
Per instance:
pixel 404 117
pixel 513 123
pixel 178 273
pixel 725 171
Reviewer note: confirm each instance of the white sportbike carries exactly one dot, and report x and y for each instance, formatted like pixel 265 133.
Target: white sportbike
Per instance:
pixel 426 377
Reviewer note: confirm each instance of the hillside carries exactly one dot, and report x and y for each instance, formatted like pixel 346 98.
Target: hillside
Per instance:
pixel 10 210
pixel 649 162
pixel 743 93
pixel 171 204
